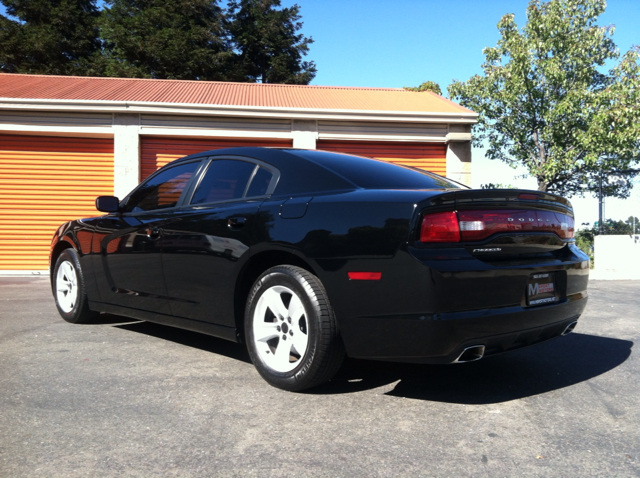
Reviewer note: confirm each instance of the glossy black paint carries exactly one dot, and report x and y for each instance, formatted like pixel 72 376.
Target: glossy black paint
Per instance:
pixel 191 265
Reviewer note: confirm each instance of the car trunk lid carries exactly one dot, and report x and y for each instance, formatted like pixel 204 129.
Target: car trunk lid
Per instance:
pixel 496 223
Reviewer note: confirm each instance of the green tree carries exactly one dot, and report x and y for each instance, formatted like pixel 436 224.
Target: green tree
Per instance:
pixel 584 240
pixel 55 37
pixel 270 49
pixel 426 86
pixel 543 101
pixel 183 39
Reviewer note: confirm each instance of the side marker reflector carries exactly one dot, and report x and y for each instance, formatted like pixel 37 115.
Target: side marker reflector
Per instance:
pixel 365 275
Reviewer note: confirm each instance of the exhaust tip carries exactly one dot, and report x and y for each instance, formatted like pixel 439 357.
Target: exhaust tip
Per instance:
pixel 569 328
pixel 470 354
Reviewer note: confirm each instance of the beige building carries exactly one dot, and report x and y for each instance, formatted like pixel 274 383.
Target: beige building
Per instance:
pixel 66 140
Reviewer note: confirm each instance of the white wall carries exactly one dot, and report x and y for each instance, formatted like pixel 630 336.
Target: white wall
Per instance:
pixel 617 257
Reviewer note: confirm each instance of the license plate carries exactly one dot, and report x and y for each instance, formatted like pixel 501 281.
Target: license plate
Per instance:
pixel 541 289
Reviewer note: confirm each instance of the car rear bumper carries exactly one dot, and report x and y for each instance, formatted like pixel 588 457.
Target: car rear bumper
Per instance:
pixel 442 338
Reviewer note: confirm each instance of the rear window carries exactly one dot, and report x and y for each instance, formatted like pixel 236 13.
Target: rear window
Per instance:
pixel 374 174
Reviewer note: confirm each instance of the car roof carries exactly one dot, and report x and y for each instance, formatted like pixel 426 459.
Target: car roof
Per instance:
pixel 310 171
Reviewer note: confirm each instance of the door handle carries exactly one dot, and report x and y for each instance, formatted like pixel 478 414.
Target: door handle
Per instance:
pixel 236 222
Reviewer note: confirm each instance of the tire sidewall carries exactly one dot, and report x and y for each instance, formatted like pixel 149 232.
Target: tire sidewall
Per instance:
pixel 284 277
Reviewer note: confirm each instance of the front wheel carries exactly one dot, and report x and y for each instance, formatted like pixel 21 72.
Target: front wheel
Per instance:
pixel 291 329
pixel 69 289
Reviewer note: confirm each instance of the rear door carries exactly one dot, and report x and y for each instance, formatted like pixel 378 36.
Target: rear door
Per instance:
pixel 204 251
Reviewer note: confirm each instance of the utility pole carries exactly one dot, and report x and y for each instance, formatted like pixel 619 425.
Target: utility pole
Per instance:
pixel 600 205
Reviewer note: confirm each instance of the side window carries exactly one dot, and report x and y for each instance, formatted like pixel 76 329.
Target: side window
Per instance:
pixel 163 190
pixel 225 179
pixel 260 183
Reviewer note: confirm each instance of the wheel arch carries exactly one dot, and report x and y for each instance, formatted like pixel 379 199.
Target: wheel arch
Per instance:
pixel 63 244
pixel 254 267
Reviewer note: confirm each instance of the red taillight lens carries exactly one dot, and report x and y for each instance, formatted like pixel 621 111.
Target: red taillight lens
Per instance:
pixel 479 225
pixel 440 227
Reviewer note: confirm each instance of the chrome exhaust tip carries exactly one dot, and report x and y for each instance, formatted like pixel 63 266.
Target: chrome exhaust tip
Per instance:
pixel 470 354
pixel 569 328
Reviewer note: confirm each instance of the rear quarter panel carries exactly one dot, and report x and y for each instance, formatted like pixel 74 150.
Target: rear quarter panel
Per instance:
pixel 362 231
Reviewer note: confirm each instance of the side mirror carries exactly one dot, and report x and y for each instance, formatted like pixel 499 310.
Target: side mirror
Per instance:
pixel 107 204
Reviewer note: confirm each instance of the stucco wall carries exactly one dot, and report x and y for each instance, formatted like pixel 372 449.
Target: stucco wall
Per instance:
pixel 617 257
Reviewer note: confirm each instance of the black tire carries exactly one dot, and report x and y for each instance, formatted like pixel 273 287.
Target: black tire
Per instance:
pixel 69 290
pixel 291 369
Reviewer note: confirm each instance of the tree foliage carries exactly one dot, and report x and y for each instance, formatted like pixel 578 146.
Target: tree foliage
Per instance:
pixel 269 45
pixel 426 86
pixel 169 40
pixel 254 40
pixel 57 37
pixel 545 103
pixel 497 186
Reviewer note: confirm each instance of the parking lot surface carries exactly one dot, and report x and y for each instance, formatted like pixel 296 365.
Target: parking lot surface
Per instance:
pixel 125 398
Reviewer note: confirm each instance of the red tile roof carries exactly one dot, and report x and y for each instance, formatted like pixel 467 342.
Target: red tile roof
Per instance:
pixel 16 86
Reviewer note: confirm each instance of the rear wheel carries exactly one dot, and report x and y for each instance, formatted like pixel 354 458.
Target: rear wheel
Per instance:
pixel 291 329
pixel 69 290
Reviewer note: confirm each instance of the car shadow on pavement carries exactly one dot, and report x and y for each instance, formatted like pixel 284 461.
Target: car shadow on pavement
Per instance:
pixel 190 339
pixel 521 373
pixel 552 365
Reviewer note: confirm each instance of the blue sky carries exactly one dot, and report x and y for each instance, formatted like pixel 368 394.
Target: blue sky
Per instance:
pixel 405 42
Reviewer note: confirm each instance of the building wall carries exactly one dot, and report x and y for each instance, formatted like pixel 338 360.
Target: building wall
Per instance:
pixel 617 257
pixel 130 132
pixel 127 130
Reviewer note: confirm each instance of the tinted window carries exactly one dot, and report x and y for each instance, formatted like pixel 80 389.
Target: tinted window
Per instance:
pixel 224 180
pixel 162 190
pixel 260 183
pixel 373 174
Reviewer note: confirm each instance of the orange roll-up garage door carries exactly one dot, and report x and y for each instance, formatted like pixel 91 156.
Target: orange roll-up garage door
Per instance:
pixel 45 181
pixel 158 151
pixel 428 156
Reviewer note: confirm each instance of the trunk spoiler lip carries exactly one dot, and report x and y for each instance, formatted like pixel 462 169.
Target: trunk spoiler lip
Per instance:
pixel 498 198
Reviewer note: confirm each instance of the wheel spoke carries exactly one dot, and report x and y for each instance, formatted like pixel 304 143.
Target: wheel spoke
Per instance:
pixel 67 270
pixel 296 309
pixel 274 302
pixel 73 278
pixel 265 331
pixel 300 341
pixel 62 286
pixel 281 357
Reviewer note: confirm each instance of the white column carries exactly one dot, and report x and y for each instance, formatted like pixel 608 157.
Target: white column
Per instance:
pixel 305 133
pixel 126 153
pixel 459 153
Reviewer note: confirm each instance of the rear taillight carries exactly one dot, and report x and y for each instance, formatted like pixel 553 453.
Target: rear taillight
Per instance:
pixel 440 227
pixel 479 225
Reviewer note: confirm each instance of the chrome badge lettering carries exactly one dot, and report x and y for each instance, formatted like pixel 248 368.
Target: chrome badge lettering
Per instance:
pixel 490 249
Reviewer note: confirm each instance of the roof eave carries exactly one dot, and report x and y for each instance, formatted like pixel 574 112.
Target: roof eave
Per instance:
pixel 235 110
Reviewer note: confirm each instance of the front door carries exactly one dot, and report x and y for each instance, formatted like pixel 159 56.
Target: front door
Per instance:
pixel 130 242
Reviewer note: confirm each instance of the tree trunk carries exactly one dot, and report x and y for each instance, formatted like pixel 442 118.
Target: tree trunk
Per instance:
pixel 542 185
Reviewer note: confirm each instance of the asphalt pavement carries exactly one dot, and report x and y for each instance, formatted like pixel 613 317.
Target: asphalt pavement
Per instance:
pixel 121 398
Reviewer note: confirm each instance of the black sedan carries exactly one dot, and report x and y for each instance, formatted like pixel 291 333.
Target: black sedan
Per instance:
pixel 308 256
